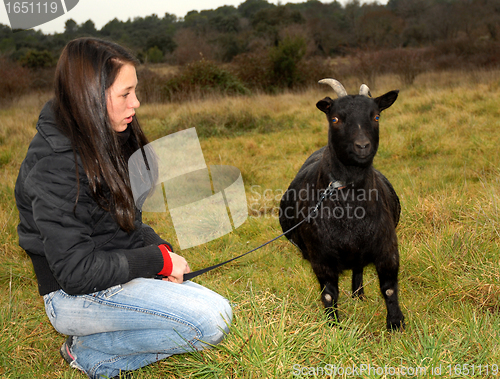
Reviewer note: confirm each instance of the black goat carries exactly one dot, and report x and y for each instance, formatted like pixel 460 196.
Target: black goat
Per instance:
pixel 356 225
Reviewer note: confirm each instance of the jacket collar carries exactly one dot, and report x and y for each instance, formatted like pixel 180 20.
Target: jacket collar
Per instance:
pixel 47 127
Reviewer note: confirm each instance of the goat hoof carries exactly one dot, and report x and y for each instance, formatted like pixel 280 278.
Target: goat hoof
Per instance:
pixel 334 323
pixel 396 325
pixel 358 295
pixel 333 318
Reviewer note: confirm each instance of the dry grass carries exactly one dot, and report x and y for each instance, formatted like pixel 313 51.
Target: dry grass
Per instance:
pixel 163 69
pixel 438 147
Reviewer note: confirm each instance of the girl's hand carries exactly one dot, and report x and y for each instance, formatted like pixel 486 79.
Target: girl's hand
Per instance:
pixel 179 268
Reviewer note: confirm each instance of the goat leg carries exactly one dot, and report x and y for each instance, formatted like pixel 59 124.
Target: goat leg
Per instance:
pixel 388 277
pixel 357 283
pixel 329 297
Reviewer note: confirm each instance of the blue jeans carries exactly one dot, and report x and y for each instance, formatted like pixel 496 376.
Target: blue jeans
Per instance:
pixel 132 325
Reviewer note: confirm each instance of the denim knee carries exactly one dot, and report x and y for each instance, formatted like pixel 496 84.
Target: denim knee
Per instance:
pixel 217 323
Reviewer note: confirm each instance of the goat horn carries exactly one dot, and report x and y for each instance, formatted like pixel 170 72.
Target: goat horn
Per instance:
pixel 365 91
pixel 335 84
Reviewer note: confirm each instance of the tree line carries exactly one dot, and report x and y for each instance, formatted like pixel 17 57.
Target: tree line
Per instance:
pixel 329 29
pixel 291 39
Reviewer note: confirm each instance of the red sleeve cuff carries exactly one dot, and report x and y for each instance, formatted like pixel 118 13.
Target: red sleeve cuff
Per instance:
pixel 167 261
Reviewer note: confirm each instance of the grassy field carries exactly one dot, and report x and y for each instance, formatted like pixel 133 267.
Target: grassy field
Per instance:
pixel 439 147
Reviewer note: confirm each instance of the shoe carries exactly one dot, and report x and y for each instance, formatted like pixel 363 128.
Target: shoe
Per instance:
pixel 65 350
pixel 68 357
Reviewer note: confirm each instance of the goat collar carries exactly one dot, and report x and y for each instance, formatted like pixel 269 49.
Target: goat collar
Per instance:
pixel 336 185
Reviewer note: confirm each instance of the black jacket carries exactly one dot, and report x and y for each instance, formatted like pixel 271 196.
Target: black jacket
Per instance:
pixel 83 249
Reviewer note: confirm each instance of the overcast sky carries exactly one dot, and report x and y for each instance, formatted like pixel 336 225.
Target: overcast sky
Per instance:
pixel 103 11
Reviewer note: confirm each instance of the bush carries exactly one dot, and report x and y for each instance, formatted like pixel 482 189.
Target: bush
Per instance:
pixel 43 79
pixel 407 63
pixel 202 78
pixel 261 70
pixel 41 64
pixel 38 59
pixel 466 53
pixel 15 81
pixel 150 87
pixel 253 70
pixel 285 59
pixel 314 69
pixel 154 55
pixel 367 66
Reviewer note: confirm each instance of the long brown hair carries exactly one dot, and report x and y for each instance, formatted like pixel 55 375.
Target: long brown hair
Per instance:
pixel 86 68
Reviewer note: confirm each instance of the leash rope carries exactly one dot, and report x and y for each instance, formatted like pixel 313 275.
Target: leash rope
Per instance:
pixel 333 186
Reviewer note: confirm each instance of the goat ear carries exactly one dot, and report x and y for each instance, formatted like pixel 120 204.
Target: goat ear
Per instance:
pixel 325 104
pixel 385 101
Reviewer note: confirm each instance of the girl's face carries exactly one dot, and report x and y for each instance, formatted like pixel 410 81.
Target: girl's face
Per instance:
pixel 121 98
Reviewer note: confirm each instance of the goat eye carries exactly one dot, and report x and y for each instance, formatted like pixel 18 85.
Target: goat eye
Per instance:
pixel 376 118
pixel 335 120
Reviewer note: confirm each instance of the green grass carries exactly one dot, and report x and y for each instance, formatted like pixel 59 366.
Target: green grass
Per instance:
pixel 439 149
